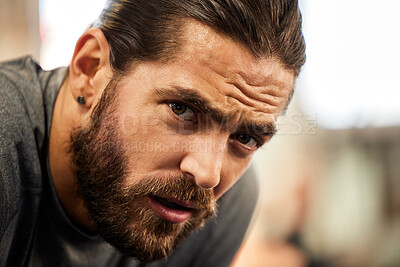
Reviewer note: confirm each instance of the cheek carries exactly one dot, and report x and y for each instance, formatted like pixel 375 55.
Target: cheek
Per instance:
pixel 149 145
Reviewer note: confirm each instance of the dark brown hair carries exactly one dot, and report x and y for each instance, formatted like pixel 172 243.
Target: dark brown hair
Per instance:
pixel 149 29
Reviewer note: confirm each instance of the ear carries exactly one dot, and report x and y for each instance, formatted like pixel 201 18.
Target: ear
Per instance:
pixel 89 67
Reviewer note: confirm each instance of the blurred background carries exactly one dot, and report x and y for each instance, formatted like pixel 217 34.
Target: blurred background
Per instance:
pixel 330 179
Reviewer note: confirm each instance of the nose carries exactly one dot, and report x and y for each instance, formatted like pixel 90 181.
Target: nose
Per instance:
pixel 204 164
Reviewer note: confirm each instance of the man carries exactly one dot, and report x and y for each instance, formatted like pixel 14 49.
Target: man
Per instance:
pixel 135 145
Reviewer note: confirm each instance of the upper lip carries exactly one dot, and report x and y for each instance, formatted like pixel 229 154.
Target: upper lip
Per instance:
pixel 183 203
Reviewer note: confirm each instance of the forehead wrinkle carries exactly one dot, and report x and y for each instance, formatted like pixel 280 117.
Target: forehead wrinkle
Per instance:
pixel 262 94
pixel 254 99
pixel 270 89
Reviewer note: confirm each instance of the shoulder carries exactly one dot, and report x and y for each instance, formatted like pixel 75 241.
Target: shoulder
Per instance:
pixel 21 134
pixel 21 111
pixel 21 90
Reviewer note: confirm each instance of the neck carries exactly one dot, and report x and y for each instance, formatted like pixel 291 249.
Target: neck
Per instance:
pixel 63 121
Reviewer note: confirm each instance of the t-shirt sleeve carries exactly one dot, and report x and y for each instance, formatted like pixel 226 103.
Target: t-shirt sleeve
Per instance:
pixel 217 243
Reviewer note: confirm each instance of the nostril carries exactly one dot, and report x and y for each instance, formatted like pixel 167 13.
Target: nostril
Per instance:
pixel 203 181
pixel 207 182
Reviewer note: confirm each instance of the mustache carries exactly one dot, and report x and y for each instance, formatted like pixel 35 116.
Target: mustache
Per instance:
pixel 178 187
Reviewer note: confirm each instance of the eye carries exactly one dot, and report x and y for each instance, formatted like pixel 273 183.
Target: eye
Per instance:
pixel 182 110
pixel 247 140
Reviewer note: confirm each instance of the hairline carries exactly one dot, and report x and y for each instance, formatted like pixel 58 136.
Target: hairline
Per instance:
pixel 171 53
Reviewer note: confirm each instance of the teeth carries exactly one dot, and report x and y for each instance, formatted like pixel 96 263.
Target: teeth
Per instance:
pixel 170 204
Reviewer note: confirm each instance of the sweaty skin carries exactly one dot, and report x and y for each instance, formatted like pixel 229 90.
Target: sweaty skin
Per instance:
pixel 233 90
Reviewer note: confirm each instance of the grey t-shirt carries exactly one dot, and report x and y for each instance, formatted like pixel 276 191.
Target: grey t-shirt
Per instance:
pixel 35 231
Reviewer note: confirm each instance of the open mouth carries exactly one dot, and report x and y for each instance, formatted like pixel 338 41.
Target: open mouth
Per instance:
pixel 171 209
pixel 171 205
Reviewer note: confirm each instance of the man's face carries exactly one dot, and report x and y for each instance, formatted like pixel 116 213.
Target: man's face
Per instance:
pixel 170 138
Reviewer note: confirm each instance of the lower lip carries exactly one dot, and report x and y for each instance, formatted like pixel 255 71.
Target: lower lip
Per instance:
pixel 172 215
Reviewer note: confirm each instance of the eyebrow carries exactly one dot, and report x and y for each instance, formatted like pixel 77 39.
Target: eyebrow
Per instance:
pixel 178 93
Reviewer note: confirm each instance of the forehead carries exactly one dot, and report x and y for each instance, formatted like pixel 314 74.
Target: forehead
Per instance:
pixel 203 44
pixel 234 74
pixel 226 75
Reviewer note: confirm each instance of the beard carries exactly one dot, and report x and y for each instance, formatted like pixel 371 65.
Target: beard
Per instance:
pixel 121 213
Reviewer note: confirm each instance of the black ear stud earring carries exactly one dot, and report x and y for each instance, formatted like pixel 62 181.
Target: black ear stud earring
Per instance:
pixel 81 100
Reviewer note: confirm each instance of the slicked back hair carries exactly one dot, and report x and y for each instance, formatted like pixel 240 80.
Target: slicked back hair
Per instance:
pixel 148 30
